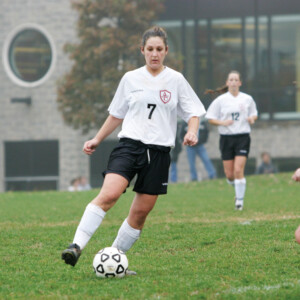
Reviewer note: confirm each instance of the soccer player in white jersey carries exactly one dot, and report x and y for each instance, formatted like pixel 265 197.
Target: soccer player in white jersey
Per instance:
pixel 146 103
pixel 233 112
pixel 296 177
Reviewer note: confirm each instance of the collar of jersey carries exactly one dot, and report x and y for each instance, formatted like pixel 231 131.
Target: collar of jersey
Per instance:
pixel 156 76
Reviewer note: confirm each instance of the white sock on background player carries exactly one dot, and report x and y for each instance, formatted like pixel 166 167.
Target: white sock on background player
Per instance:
pixel 240 188
pixel 90 221
pixel 126 237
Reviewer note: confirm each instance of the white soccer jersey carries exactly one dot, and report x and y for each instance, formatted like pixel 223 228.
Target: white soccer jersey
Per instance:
pixel 238 109
pixel 150 104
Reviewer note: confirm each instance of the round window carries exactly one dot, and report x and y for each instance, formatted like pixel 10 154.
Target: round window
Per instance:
pixel 29 55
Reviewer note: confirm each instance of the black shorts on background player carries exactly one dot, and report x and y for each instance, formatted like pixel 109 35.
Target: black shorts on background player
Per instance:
pixel 234 145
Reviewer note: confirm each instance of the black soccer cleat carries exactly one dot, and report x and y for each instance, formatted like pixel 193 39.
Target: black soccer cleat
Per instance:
pixel 71 254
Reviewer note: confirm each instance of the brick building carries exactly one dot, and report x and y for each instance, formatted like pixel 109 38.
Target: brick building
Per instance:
pixel 37 150
pixel 259 38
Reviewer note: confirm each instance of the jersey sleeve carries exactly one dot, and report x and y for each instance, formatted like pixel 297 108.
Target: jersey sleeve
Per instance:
pixel 252 108
pixel 189 105
pixel 119 105
pixel 213 111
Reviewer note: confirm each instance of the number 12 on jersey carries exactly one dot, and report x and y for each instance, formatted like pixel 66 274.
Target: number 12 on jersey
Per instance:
pixel 235 116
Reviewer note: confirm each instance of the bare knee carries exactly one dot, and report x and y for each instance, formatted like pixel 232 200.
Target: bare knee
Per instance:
pixel 140 208
pixel 137 217
pixel 113 187
pixel 229 170
pixel 140 214
pixel 106 199
pixel 239 167
pixel 238 173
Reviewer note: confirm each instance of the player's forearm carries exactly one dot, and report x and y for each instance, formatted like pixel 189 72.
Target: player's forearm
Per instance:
pixel 216 122
pixel 107 128
pixel 191 137
pixel 193 125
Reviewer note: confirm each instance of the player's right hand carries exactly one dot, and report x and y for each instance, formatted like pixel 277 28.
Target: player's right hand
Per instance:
pixel 90 146
pixel 227 122
pixel 190 139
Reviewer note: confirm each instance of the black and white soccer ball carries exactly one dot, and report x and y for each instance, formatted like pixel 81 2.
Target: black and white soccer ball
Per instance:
pixel 110 262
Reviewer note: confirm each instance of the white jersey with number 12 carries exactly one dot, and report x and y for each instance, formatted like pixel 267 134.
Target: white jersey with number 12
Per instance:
pixel 238 109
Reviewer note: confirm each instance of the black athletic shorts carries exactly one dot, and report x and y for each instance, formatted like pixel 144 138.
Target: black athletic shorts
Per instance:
pixel 234 145
pixel 149 162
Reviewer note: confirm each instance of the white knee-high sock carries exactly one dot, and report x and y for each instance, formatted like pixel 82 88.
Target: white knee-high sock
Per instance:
pixel 231 182
pixel 240 188
pixel 90 221
pixel 126 237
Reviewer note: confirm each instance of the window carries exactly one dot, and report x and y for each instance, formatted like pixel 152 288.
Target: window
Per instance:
pixel 226 42
pixel 31 165
pixel 257 73
pixel 204 58
pixel 285 63
pixel 29 55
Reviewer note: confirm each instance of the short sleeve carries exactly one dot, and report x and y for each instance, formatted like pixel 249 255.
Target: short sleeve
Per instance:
pixel 213 111
pixel 252 108
pixel 119 105
pixel 189 105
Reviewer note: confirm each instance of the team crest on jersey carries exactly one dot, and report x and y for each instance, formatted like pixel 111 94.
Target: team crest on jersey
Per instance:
pixel 165 96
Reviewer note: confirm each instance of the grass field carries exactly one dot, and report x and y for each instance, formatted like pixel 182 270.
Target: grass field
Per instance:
pixel 194 245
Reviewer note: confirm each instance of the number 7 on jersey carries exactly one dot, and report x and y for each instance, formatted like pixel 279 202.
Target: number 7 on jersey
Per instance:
pixel 151 107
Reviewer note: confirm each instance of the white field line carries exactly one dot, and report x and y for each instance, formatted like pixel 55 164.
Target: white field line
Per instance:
pixel 245 289
pixel 163 220
pixel 207 220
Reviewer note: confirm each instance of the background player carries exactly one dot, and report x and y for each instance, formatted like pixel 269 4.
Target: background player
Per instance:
pixel 233 112
pixel 296 177
pixel 146 103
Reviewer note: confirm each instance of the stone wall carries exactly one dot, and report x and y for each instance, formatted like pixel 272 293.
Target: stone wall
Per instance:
pixel 40 120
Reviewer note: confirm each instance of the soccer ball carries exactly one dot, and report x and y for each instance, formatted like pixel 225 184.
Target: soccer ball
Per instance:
pixel 110 262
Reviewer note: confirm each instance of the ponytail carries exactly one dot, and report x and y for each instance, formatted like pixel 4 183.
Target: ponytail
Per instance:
pixel 218 91
pixel 223 89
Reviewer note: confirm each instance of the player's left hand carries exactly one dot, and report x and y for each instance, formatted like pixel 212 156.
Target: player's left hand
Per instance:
pixel 190 139
pixel 251 120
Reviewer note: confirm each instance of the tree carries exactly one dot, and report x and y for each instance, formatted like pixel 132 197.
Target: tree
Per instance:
pixel 109 34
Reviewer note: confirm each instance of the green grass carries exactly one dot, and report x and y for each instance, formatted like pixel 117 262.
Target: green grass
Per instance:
pixel 194 245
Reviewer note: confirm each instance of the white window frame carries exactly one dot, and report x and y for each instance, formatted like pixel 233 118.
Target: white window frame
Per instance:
pixel 5 55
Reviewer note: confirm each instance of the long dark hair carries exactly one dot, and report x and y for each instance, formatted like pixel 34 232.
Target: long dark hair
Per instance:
pixel 223 89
